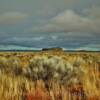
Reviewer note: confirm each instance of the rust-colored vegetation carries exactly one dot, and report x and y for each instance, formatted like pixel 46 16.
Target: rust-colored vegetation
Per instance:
pixel 49 75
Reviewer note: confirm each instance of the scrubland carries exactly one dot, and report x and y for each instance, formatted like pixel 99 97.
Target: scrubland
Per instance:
pixel 49 76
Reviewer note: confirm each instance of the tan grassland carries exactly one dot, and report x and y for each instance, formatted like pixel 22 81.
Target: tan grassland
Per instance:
pixel 49 75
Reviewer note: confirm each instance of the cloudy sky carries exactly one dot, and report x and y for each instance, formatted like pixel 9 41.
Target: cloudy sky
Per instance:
pixel 36 24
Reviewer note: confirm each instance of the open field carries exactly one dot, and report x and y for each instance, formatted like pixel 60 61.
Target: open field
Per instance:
pixel 50 75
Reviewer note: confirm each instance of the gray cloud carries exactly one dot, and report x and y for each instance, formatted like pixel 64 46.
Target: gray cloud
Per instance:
pixel 93 12
pixel 69 21
pixel 10 18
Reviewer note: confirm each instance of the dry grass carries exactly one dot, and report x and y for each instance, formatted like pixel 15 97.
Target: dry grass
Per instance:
pixel 49 76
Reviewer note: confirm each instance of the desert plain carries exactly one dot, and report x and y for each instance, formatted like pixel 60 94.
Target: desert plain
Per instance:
pixel 50 75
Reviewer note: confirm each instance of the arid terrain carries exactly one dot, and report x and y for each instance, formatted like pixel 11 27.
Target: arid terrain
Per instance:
pixel 49 75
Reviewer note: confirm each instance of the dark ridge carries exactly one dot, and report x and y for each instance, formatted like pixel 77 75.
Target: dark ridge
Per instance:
pixel 57 49
pixel 53 49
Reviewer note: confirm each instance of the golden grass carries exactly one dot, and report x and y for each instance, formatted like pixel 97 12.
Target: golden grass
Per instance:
pixel 19 87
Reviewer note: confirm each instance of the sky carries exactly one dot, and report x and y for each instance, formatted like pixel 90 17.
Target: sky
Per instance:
pixel 36 24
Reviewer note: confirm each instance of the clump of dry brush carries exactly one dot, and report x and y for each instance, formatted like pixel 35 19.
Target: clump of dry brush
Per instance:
pixel 50 77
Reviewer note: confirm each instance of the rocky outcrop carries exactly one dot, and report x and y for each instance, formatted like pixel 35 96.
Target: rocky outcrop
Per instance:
pixel 53 49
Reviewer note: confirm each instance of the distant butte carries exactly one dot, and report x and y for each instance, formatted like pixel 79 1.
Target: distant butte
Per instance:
pixel 53 49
